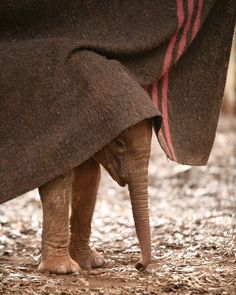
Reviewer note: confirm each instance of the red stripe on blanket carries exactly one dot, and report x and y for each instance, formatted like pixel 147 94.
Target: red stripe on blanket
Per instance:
pixel 165 116
pixel 197 21
pixel 155 101
pixel 183 39
pixel 168 56
pixel 165 73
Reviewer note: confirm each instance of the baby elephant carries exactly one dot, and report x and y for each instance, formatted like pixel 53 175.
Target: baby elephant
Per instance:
pixel 126 159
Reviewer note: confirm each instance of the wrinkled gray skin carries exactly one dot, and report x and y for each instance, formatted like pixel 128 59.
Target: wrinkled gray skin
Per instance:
pixel 126 159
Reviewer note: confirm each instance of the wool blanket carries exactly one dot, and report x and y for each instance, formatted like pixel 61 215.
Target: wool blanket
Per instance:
pixel 76 73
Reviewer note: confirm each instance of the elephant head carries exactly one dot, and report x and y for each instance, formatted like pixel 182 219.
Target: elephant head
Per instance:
pixel 126 159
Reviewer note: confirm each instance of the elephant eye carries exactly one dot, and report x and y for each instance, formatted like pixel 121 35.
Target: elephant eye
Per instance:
pixel 119 144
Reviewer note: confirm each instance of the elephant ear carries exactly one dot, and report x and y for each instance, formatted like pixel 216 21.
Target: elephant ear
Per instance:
pixel 59 111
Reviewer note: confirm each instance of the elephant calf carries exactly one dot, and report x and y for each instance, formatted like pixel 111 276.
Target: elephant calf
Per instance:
pixel 126 159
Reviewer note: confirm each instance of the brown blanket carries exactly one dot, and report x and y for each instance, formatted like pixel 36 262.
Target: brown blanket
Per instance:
pixel 73 72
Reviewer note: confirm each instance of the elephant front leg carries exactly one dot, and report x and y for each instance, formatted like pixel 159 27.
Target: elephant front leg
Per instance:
pixel 85 183
pixel 55 197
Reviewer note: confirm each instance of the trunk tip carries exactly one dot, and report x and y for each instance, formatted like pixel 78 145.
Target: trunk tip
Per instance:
pixel 140 266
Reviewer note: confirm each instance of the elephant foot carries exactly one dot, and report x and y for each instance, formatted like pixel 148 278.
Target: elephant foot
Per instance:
pixel 59 265
pixel 88 259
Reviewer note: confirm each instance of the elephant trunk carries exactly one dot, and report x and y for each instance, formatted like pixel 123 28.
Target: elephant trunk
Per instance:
pixel 138 188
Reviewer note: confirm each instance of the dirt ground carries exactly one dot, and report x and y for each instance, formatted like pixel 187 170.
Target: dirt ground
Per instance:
pixel 193 221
